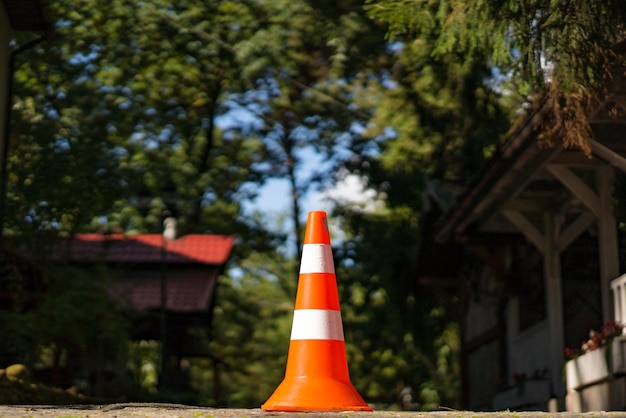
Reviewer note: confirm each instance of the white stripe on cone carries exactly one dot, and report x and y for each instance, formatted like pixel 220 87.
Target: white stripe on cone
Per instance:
pixel 316 324
pixel 317 258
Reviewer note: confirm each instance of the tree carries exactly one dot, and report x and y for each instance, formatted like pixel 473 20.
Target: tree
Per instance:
pixel 438 118
pixel 304 98
pixel 62 168
pixel 131 103
pixel 82 327
pixel 131 100
pixel 562 50
pixel 251 334
pixel 172 65
pixel 116 123
pixel 114 127
pixel 62 320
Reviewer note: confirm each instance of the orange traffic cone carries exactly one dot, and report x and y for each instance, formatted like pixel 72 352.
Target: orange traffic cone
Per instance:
pixel 317 376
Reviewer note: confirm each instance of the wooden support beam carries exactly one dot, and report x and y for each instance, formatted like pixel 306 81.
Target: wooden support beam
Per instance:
pixel 526 227
pixel 573 230
pixel 576 186
pixel 609 156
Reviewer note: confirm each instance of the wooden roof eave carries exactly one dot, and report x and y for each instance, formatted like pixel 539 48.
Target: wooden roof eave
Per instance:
pixel 504 175
pixel 516 164
pixel 608 155
pixel 27 15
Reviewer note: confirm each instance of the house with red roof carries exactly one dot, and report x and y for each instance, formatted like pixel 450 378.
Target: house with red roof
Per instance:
pixel 168 285
pixel 152 274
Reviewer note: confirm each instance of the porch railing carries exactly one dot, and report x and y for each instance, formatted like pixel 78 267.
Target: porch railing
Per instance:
pixel 618 287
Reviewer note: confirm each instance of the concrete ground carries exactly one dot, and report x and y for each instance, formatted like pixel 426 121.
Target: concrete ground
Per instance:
pixel 178 411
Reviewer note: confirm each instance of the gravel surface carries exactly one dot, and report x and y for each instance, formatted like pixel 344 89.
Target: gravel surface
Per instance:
pixel 181 411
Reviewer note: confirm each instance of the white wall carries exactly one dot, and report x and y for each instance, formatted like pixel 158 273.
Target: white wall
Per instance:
pixel 527 349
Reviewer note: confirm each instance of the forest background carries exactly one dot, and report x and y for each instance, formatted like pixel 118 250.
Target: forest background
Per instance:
pixel 134 111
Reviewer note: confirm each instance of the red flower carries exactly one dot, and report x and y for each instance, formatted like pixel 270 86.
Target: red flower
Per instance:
pixel 597 339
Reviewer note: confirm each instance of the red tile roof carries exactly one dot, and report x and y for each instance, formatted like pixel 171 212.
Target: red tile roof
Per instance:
pixel 192 265
pixel 146 248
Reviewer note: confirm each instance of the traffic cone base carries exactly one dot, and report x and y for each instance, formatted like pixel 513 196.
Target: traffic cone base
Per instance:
pixel 320 394
pixel 317 377
pixel 316 385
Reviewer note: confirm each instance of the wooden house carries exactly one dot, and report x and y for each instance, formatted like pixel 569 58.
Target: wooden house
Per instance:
pixel 154 276
pixel 542 248
pixel 165 287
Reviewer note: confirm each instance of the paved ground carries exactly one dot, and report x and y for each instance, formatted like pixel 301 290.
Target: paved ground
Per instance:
pixel 177 411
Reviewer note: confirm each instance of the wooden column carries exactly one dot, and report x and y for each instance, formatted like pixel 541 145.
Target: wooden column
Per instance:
pixel 554 298
pixel 607 239
pixel 599 203
pixel 550 243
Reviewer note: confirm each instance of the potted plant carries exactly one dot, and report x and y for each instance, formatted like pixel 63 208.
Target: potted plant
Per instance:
pixel 593 362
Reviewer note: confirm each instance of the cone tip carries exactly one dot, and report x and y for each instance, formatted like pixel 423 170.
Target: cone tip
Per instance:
pixel 317 228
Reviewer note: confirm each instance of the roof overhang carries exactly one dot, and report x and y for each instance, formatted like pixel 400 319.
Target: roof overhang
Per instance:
pixel 523 176
pixel 503 176
pixel 27 15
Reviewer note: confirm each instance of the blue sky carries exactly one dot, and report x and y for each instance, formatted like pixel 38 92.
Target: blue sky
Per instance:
pixel 274 197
